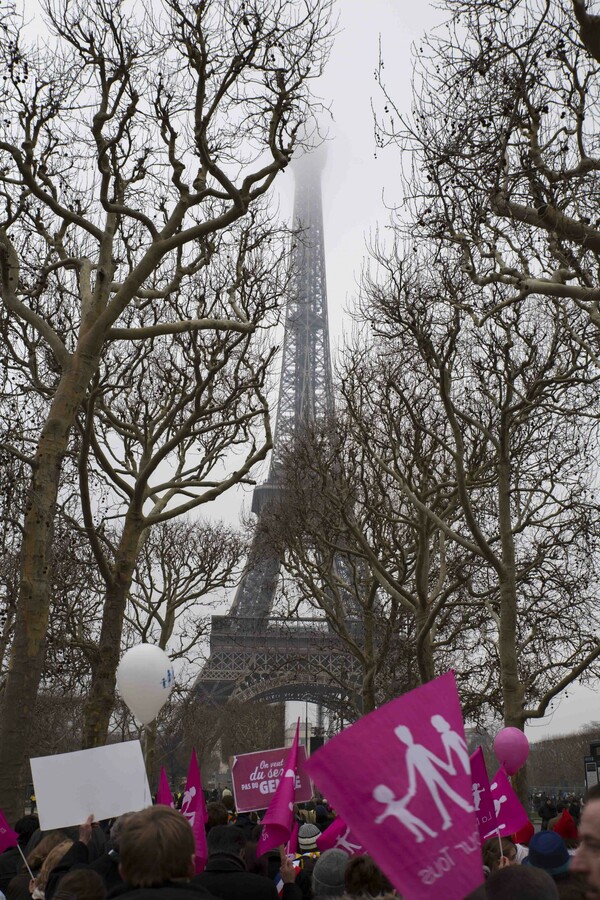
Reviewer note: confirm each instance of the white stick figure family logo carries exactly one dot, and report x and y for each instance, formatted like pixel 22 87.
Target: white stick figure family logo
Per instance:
pixel 188 798
pixel 343 842
pixel 427 771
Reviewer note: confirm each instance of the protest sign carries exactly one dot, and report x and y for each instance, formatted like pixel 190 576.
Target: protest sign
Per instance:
pixel 400 778
pixel 482 795
pixel 255 778
pixel 510 814
pixel 103 782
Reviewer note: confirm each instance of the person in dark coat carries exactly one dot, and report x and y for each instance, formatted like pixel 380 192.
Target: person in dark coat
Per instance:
pixel 157 854
pixel 11 860
pixel 225 874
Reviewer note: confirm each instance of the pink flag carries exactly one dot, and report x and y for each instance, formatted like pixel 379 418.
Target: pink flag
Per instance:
pixel 193 808
pixel 292 844
pixel 482 795
pixel 164 796
pixel 339 836
pixel 510 815
pixel 279 817
pixel 400 778
pixel 8 837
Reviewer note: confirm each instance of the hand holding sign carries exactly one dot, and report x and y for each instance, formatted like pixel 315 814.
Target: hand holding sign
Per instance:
pixel 145 678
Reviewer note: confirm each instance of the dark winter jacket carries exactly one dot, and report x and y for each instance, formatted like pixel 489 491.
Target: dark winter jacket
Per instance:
pixel 225 876
pixel 171 890
pixel 10 863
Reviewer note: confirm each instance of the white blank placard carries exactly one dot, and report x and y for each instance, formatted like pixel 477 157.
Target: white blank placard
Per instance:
pixel 103 782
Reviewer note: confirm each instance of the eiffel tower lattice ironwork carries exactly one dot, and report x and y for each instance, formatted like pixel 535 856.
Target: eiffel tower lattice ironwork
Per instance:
pixel 254 655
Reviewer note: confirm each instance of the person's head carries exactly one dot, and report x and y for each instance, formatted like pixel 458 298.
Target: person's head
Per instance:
pixel 362 876
pixel 518 883
pixel 592 793
pixel 117 830
pixel 572 886
pixel 257 865
pixel 548 851
pixel 52 860
pixel 228 802
pixel 307 838
pixel 587 857
pixel 156 845
pixel 80 884
pixel 217 814
pixel 493 850
pixel 36 857
pixel 25 828
pixel 226 839
pixel 328 874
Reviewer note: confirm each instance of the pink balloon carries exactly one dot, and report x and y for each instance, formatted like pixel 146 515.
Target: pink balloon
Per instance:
pixel 511 748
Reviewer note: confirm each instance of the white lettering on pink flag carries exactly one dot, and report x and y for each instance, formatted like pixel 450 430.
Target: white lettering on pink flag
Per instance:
pixel 482 796
pixel 510 815
pixel 400 778
pixel 338 836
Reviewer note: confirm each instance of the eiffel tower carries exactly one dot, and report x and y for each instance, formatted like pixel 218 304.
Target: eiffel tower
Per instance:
pixel 253 654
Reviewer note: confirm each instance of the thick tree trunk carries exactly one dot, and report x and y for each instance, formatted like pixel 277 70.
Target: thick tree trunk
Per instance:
pixel 31 621
pixel 101 698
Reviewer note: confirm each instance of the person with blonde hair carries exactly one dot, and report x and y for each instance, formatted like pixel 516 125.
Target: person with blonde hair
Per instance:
pixel 38 884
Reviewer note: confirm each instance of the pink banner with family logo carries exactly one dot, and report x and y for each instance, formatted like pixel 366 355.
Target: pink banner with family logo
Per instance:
pixel 510 815
pixel 338 836
pixel 8 837
pixel 482 795
pixel 255 777
pixel 400 778
pixel 193 808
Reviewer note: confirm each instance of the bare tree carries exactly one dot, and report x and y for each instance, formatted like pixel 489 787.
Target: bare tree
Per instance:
pixel 172 426
pixel 520 401
pixel 129 145
pixel 505 145
pixel 182 569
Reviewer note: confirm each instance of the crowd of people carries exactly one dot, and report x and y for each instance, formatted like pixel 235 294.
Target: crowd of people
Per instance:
pixel 150 855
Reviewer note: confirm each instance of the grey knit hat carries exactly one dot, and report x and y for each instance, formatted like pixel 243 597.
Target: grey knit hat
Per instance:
pixel 307 837
pixel 328 874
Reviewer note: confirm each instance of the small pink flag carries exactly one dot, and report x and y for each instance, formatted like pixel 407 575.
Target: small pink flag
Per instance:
pixel 510 815
pixel 339 836
pixel 482 795
pixel 193 808
pixel 8 837
pixel 400 778
pixel 164 796
pixel 279 818
pixel 292 844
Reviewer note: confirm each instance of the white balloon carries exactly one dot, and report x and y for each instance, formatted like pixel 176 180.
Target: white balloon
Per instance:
pixel 145 678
